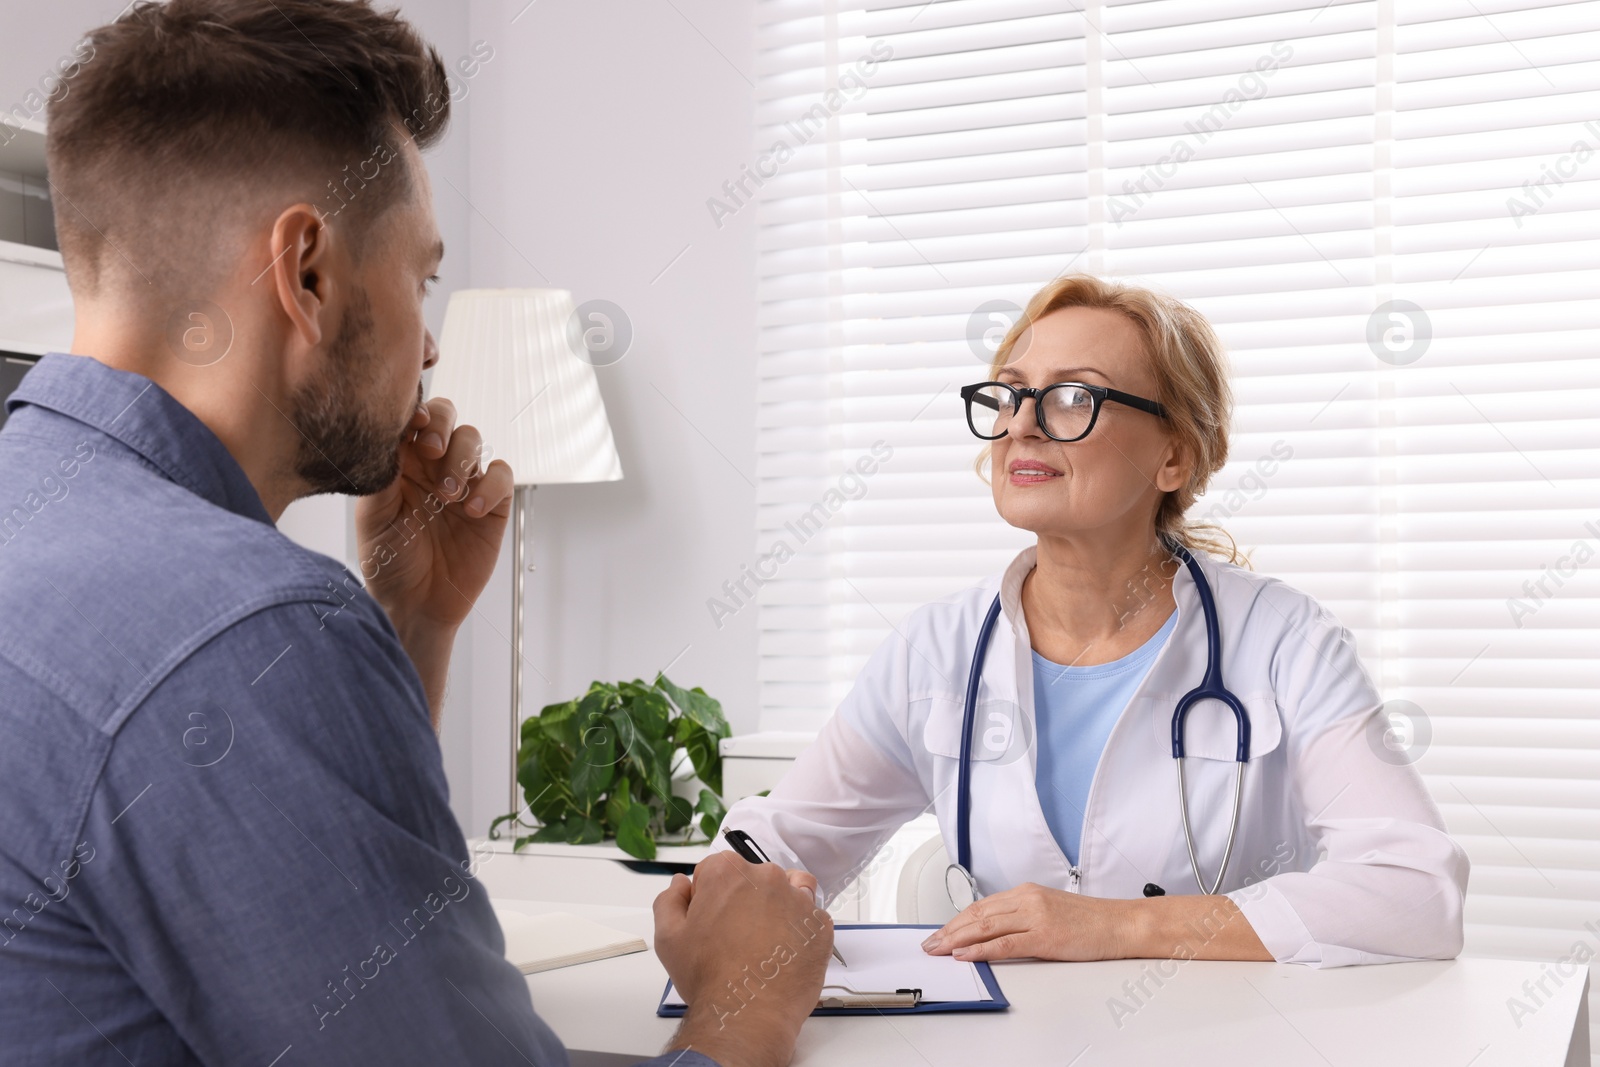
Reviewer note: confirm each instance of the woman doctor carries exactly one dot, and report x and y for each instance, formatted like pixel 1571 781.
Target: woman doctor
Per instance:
pixel 1340 855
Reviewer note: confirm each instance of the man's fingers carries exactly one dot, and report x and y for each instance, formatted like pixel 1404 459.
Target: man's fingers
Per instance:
pixel 492 492
pixel 672 903
pixel 460 464
pixel 803 880
pixel 719 866
pixel 434 435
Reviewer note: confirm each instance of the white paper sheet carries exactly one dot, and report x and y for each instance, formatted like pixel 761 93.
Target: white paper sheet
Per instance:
pixel 883 959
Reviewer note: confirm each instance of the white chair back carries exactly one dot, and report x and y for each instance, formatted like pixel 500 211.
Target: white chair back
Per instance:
pixel 922 897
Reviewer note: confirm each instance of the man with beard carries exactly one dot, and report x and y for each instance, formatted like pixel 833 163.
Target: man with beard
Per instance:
pixel 225 834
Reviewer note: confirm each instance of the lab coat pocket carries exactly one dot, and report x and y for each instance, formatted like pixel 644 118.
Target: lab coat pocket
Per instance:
pixel 1210 729
pixel 1000 734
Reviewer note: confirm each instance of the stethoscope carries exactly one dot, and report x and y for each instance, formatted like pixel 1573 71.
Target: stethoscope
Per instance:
pixel 959 882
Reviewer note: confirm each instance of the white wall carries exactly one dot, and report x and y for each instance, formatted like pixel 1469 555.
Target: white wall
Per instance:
pixel 596 135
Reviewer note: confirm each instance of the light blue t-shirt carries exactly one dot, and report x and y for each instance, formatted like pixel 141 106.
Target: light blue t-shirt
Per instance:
pixel 1075 709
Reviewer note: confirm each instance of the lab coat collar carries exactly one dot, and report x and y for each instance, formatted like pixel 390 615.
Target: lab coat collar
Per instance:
pixel 1177 668
pixel 1183 592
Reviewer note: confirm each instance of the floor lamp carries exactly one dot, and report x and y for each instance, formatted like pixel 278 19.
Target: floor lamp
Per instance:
pixel 514 364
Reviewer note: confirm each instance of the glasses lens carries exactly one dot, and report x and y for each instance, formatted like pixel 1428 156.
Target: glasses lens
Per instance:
pixel 990 409
pixel 1067 412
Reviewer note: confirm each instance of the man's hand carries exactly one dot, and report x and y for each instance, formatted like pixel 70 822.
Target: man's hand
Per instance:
pixel 747 948
pixel 1051 924
pixel 429 542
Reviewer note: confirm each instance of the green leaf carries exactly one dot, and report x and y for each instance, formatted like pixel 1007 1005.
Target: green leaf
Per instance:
pixel 592 773
pixel 617 804
pixel 652 761
pixel 648 709
pixel 516 846
pixel 696 705
pixel 711 811
pixel 563 728
pixel 628 734
pixel 552 716
pixel 601 765
pixel 544 787
pixel 594 703
pixel 581 831
pixel 551 832
pixel 680 812
pixel 705 757
pixel 633 835
pixel 594 761
pixel 494 827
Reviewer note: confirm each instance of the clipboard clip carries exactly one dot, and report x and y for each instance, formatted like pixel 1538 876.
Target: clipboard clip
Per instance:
pixel 853 998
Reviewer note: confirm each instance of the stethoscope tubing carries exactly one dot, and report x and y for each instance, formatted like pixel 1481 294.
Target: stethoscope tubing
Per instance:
pixel 1211 687
pixel 969 714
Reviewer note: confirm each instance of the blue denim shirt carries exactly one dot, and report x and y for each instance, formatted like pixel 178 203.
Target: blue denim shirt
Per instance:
pixel 225 835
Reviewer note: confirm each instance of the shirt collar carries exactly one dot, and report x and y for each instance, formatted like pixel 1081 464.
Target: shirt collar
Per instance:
pixel 137 412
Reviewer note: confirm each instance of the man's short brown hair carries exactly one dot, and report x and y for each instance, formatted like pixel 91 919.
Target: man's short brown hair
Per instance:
pixel 194 111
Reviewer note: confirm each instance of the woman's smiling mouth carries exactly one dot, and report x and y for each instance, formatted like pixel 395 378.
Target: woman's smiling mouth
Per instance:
pixel 1031 472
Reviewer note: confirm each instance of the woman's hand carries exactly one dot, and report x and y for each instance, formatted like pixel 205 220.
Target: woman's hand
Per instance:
pixel 1032 921
pixel 1051 924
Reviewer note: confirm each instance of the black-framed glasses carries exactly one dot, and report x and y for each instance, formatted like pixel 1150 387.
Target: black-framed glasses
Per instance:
pixel 1066 411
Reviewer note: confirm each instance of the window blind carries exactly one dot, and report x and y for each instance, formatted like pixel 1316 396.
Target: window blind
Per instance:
pixel 1389 211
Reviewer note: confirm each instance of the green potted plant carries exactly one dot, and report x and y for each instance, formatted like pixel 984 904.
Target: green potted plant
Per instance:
pixel 602 766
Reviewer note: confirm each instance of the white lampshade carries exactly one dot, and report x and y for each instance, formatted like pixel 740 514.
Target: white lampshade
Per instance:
pixel 512 361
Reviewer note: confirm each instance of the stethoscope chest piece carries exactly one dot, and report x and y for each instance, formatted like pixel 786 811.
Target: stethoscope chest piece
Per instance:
pixel 958 879
pixel 961 886
pixel 1211 687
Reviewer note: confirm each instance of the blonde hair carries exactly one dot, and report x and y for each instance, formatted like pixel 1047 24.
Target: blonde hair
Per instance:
pixel 1191 383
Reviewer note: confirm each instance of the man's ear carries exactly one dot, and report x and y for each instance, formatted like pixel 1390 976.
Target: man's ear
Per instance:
pixel 303 255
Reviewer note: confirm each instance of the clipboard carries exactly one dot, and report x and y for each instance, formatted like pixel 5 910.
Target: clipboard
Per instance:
pixel 885 1002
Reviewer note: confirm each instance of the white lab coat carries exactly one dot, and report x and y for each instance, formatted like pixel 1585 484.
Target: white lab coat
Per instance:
pixel 1341 858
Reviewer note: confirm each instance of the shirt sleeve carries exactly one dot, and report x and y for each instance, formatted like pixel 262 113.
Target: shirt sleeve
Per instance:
pixel 278 868
pixel 850 790
pixel 1389 883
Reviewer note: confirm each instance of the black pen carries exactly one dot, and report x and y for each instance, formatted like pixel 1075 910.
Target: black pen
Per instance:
pixel 746 847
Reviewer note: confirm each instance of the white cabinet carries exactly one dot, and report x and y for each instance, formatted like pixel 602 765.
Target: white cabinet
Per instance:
pixel 35 303
pixel 604 874
pixel 755 762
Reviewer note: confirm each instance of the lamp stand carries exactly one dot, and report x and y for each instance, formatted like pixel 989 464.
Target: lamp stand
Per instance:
pixel 519 501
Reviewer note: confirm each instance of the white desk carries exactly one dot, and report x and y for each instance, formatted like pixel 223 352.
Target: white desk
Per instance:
pixel 1225 1014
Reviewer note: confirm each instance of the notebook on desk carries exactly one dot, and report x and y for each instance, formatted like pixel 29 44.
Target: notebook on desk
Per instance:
pixel 537 943
pixel 888 972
